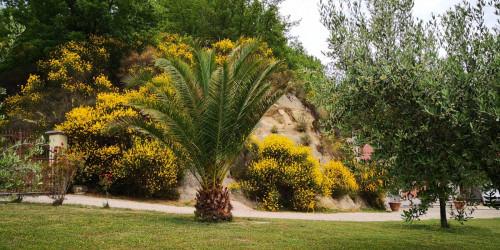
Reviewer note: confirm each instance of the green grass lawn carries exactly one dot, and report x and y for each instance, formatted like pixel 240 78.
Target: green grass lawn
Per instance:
pixel 44 226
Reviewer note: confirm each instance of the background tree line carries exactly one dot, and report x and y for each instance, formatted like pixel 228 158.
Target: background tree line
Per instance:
pixel 136 24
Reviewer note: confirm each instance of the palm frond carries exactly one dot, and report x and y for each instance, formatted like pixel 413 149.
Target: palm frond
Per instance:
pixel 212 109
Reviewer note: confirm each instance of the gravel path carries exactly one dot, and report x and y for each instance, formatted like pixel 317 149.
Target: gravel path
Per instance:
pixel 241 210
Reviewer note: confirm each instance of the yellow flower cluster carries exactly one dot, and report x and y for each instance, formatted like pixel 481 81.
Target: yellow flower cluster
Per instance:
pixel 68 71
pixel 172 46
pixel 84 126
pixel 222 50
pixel 264 50
pixel 152 167
pixel 102 83
pixel 373 181
pixel 71 63
pixel 371 177
pixel 33 84
pixel 91 121
pixel 224 47
pixel 284 149
pixel 271 201
pixel 338 179
pixel 77 88
pixel 304 200
pixel 284 175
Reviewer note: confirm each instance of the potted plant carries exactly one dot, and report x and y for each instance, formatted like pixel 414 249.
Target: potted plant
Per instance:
pixel 459 202
pixel 395 203
pixel 395 200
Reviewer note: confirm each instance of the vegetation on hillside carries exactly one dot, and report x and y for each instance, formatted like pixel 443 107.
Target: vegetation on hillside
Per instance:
pixel 145 89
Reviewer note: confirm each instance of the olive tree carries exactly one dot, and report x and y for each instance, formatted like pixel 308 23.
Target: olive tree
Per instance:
pixel 424 95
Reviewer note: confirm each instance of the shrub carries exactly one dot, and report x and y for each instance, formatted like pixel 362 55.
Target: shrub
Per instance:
pixel 305 139
pixel 84 126
pixel 339 180
pixel 18 173
pixel 175 46
pixel 304 199
pixel 73 75
pixel 122 154
pixel 59 172
pixel 283 175
pixel 224 47
pixel 271 200
pixel 151 168
pixel 301 126
pixel 274 129
pixel 106 180
pixel 373 182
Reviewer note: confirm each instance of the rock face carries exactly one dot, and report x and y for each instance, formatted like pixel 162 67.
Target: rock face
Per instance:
pixel 286 114
pixel 342 203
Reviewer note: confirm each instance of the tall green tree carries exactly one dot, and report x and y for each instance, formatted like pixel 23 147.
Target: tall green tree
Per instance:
pixel 208 114
pixel 428 116
pixel 231 19
pixel 50 23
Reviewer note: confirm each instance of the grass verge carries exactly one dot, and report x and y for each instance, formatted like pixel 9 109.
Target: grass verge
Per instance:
pixel 44 226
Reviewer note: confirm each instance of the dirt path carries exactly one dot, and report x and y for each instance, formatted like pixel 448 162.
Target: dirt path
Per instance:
pixel 241 210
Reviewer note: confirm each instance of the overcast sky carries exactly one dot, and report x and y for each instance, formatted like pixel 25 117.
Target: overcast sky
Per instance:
pixel 313 34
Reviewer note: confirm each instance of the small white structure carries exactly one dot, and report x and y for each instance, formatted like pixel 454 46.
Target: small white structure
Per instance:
pixel 56 139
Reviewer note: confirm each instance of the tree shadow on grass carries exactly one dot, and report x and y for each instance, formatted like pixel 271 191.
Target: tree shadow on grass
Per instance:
pixel 455 229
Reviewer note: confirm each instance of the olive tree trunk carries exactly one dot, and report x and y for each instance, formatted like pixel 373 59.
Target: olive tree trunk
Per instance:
pixel 442 210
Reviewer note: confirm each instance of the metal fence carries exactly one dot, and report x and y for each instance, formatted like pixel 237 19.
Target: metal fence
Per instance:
pixel 22 141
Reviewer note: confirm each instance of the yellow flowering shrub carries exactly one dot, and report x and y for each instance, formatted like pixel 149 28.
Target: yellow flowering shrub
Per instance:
pixel 84 126
pixel 271 200
pixel 141 166
pixel 151 169
pixel 283 175
pixel 222 50
pixel 373 182
pixel 224 47
pixel 76 65
pixel 339 179
pixel 304 199
pixel 72 75
pixel 173 46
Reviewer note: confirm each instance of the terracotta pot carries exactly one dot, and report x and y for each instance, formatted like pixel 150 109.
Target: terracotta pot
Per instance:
pixel 395 205
pixel 460 205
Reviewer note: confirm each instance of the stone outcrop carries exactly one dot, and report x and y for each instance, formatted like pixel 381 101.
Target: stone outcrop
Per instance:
pixel 286 114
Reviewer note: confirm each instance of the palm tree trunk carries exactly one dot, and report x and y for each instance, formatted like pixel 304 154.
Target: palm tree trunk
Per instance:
pixel 213 204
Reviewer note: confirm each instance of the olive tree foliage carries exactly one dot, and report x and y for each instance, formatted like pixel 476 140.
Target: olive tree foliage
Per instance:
pixel 424 95
pixel 14 30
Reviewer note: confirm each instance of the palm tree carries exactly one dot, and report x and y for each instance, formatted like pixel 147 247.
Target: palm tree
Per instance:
pixel 208 116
